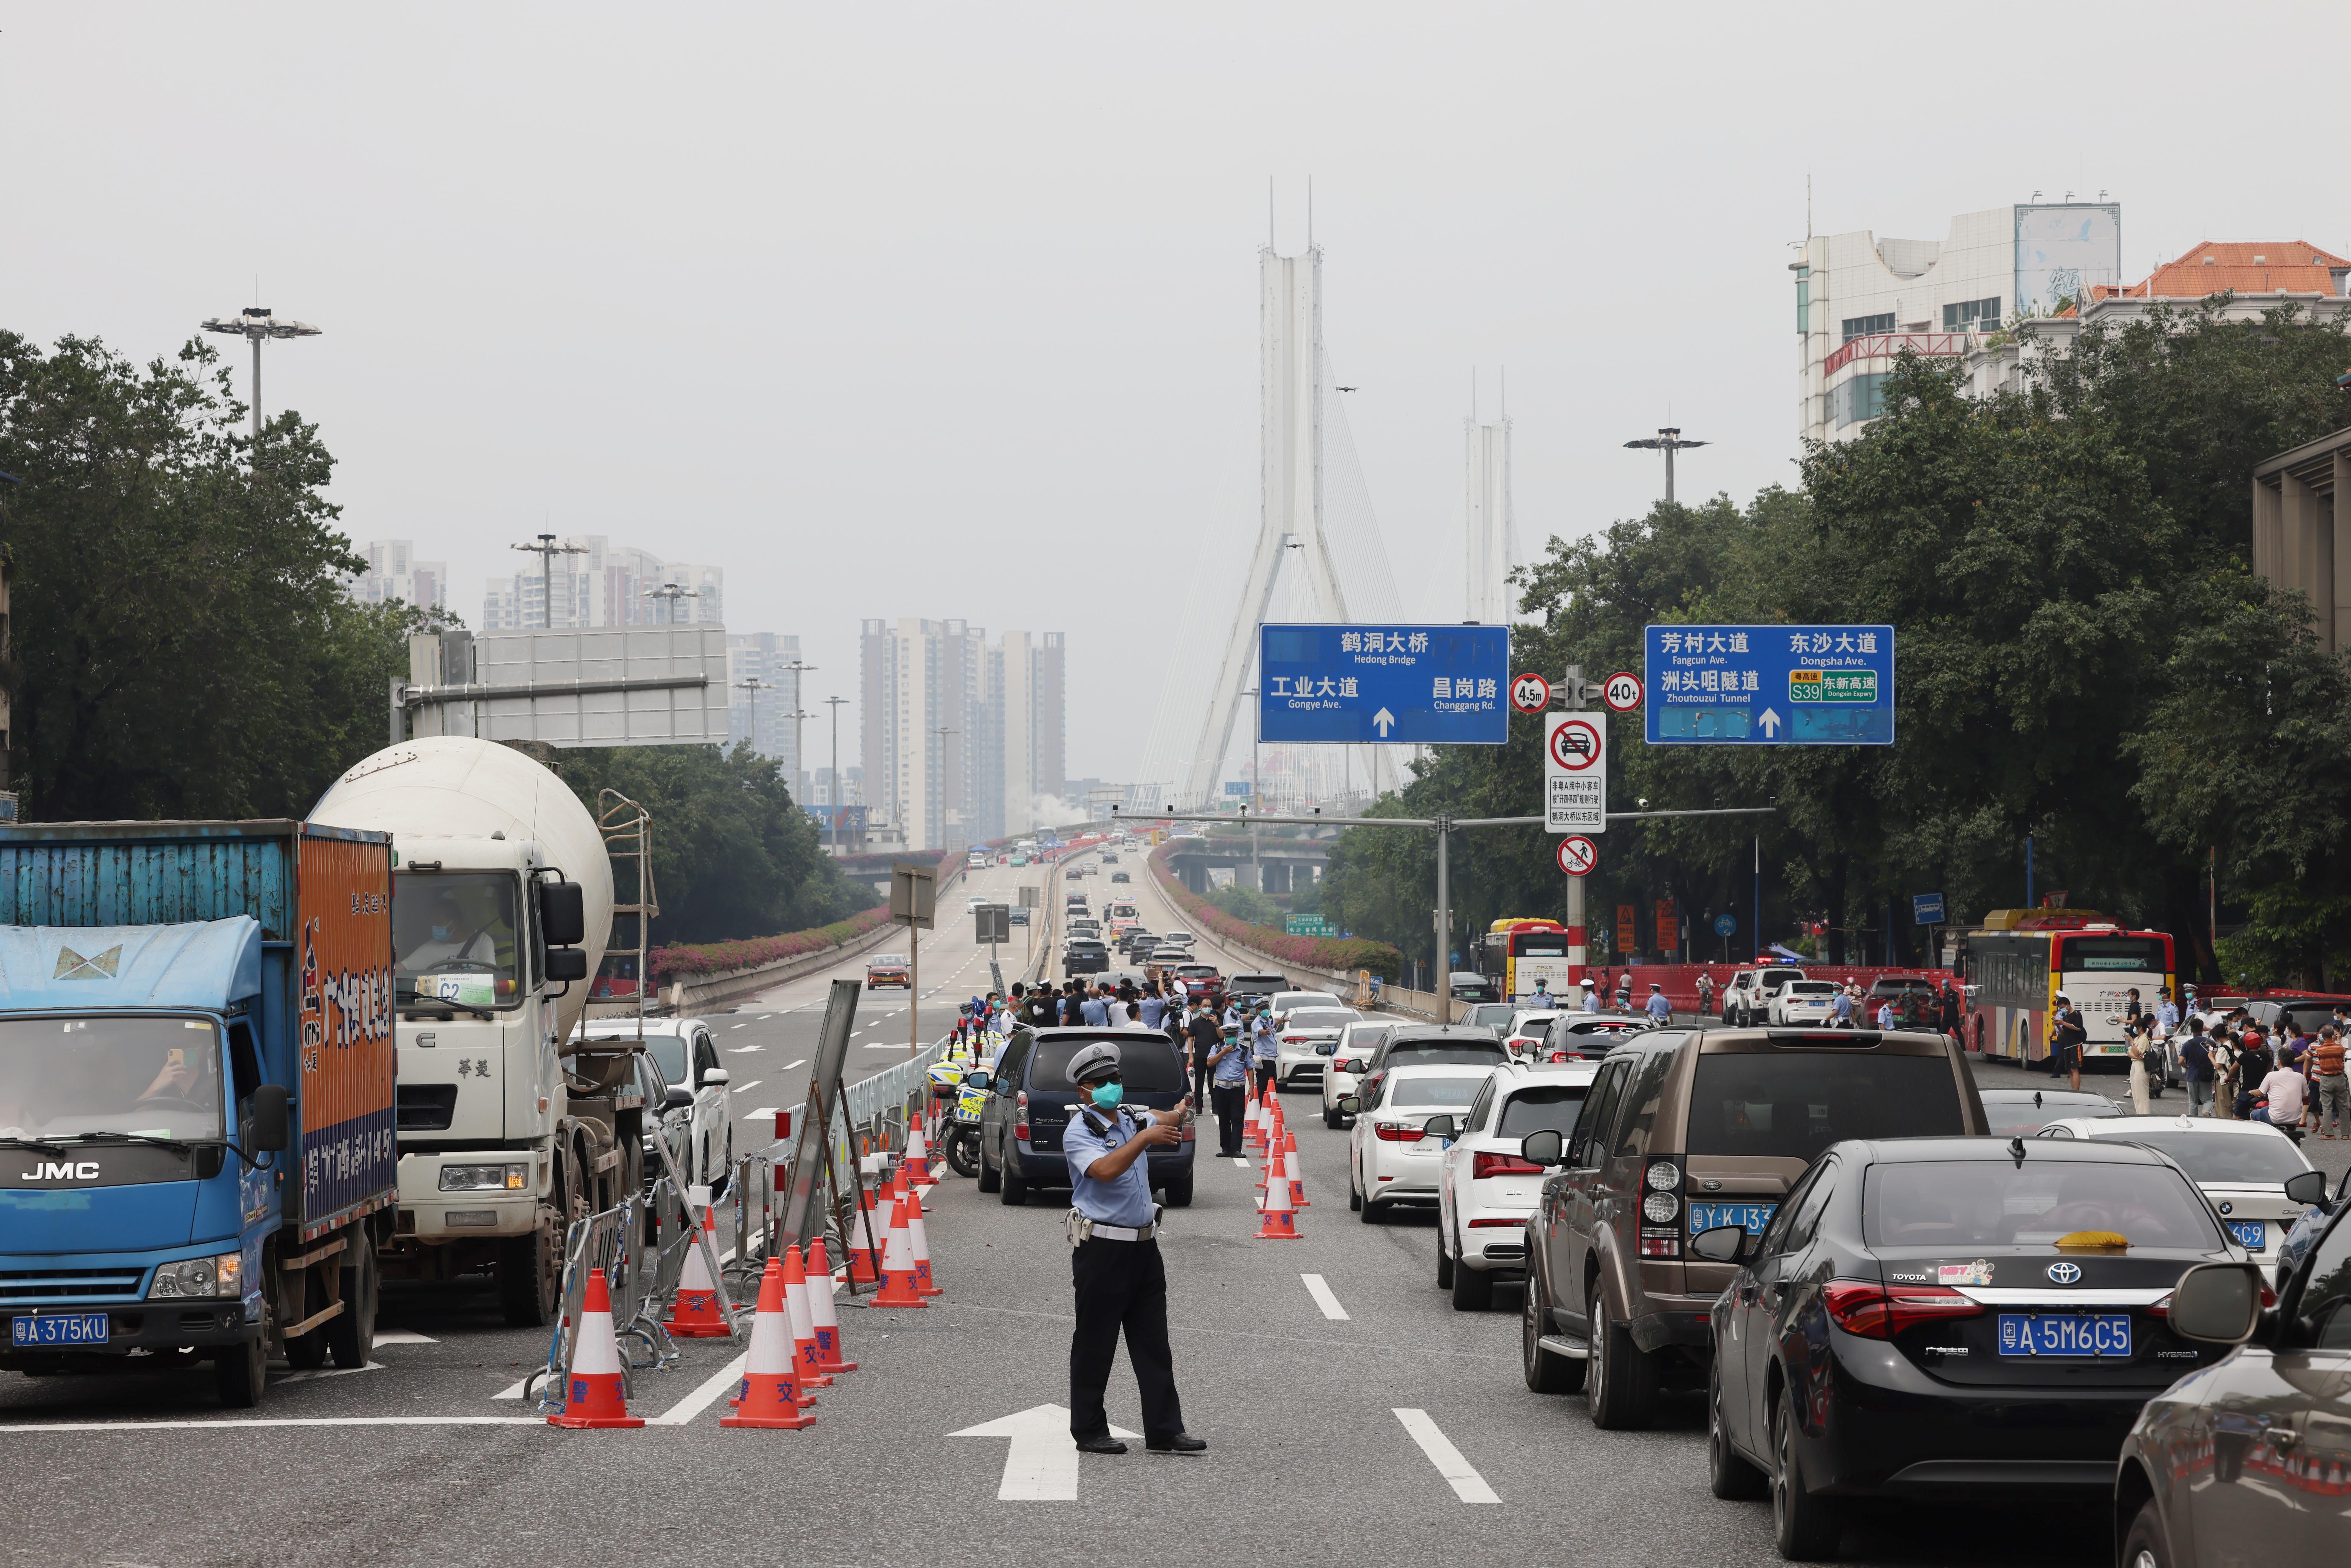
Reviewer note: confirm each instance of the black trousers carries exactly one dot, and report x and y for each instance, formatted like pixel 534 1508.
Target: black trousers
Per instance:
pixel 1264 1079
pixel 1120 1285
pixel 1200 1081
pixel 1232 1116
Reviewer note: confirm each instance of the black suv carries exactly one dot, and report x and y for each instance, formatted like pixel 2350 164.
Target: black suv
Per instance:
pixel 1031 1100
pixel 1084 955
pixel 1430 1045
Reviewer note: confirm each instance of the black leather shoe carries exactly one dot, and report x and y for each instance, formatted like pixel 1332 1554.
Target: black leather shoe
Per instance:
pixel 1104 1444
pixel 1181 1443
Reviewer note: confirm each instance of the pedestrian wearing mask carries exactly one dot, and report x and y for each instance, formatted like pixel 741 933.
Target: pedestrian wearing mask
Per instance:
pixel 2196 1062
pixel 1206 1036
pixel 2167 1012
pixel 1115 1271
pixel 1266 1043
pixel 2254 1065
pixel 2066 1034
pixel 2224 1074
pixel 2326 1071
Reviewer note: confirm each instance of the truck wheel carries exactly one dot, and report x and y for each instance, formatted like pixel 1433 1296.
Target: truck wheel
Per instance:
pixel 530 1276
pixel 351 1336
pixel 242 1372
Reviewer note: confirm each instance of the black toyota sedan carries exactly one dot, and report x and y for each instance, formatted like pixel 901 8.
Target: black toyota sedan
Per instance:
pixel 1947 1318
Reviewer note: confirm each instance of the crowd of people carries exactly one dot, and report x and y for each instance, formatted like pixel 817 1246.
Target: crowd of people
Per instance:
pixel 2291 1077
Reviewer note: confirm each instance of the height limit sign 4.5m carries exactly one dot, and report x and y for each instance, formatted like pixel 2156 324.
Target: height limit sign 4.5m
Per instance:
pixel 1576 773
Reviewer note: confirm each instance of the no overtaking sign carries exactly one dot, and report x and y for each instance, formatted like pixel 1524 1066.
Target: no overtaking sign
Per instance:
pixel 1576 773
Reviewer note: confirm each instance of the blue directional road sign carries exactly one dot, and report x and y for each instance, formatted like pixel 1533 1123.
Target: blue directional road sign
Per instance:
pixel 1237 785
pixel 1927 908
pixel 1769 686
pixel 1401 686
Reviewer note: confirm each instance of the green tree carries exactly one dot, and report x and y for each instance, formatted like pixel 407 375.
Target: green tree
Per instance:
pixel 1247 904
pixel 182 643
pixel 733 855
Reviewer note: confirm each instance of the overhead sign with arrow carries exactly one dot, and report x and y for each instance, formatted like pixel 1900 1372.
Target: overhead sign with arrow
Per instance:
pixel 1768 685
pixel 1041 1465
pixel 1385 684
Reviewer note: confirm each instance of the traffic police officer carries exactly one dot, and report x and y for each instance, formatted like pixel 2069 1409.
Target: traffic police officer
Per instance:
pixel 1115 1265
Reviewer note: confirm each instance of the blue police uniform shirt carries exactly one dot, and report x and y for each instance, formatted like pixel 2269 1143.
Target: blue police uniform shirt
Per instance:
pixel 2167 1016
pixel 1125 1201
pixel 1234 1068
pixel 1658 1008
pixel 1095 1011
pixel 1592 1001
pixel 1154 1012
pixel 1268 1043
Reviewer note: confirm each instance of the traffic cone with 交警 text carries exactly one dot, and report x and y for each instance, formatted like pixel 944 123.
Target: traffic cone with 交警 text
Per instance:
pixel 1293 1169
pixel 770 1395
pixel 918 1157
pixel 593 1393
pixel 1280 1222
pixel 864 1248
pixel 898 1264
pixel 696 1312
pixel 825 1315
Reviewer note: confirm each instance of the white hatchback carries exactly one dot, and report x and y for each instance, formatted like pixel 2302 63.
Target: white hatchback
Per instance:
pixel 1351 1054
pixel 1389 1159
pixel 1486 1193
pixel 2241 1166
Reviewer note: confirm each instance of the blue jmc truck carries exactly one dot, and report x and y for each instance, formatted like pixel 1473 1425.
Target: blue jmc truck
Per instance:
pixel 196 1098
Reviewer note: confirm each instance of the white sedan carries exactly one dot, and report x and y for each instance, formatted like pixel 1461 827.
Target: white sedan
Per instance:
pixel 1803 1001
pixel 1351 1054
pixel 2241 1166
pixel 1389 1159
pixel 1306 1043
pixel 688 1058
pixel 1528 1027
pixel 1486 1193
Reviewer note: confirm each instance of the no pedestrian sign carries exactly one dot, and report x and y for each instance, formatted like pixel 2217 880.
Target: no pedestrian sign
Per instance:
pixel 1576 773
pixel 1578 856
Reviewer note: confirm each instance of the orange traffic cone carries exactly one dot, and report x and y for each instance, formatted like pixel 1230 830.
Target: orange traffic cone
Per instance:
pixel 797 1302
pixel 592 1394
pixel 918 1156
pixel 919 1242
pixel 770 1392
pixel 823 1314
pixel 1293 1169
pixel 695 1313
pixel 898 1264
pixel 1280 1217
pixel 864 1263
pixel 1253 1123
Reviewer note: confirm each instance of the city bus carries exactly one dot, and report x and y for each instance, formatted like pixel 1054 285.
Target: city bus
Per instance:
pixel 1516 953
pixel 2017 962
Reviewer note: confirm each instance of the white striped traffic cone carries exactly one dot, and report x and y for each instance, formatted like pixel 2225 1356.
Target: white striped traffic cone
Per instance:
pixel 770 1392
pixel 593 1396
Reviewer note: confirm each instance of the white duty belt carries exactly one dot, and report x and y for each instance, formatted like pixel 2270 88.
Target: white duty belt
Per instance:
pixel 1082 1229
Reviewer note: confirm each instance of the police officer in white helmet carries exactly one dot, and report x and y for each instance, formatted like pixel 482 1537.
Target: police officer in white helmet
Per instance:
pixel 1114 1267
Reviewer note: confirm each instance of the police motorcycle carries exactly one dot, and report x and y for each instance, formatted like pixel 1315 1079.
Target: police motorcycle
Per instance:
pixel 958 1106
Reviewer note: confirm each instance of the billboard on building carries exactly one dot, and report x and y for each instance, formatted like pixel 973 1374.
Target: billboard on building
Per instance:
pixel 2062 249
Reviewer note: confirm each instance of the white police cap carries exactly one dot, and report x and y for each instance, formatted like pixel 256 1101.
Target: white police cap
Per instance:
pixel 1092 1059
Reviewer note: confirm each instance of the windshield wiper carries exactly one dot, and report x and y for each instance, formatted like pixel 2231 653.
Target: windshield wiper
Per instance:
pixel 416 1004
pixel 156 1139
pixel 49 1144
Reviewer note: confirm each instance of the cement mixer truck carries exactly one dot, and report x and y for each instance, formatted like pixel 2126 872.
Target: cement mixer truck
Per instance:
pixel 506 1130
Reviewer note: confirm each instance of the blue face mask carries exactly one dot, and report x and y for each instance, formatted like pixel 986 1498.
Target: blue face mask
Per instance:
pixel 441 934
pixel 1108 1095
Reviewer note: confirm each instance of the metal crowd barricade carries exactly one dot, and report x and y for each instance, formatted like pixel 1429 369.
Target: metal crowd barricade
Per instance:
pixel 598 1241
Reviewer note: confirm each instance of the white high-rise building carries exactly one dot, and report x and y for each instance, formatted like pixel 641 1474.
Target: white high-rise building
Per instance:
pixel 960 739
pixel 395 573
pixel 606 585
pixel 764 657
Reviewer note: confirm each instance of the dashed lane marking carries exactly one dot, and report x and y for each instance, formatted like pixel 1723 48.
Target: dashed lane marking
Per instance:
pixel 741 1088
pixel 762 1111
pixel 718 1383
pixel 788 1066
pixel 403 1337
pixel 1324 1299
pixel 746 1049
pixel 1459 1473
pixel 737 1025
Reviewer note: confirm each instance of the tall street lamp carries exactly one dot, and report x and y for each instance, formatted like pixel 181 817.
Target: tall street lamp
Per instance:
pixel 1668 441
pixel 253 323
pixel 796 669
pixel 667 595
pixel 833 795
pixel 547 550
pixel 751 688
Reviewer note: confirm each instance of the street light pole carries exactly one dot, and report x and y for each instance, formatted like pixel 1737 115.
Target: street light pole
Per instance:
pixel 797 668
pixel 255 323
pixel 833 795
pixel 547 550
pixel 1668 441
pixel 753 687
pixel 669 593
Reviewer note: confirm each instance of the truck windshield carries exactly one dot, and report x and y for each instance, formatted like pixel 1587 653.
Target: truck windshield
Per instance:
pixel 455 936
pixel 64 1078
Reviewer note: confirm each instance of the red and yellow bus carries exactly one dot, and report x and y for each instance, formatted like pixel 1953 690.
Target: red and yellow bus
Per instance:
pixel 2015 964
pixel 1516 953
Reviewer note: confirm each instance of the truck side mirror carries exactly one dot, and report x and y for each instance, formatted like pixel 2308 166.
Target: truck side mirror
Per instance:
pixel 562 915
pixel 272 1132
pixel 567 964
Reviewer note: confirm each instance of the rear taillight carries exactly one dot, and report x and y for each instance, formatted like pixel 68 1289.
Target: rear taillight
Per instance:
pixel 1396 1132
pixel 1484 1165
pixel 1513 1224
pixel 1293 1039
pixel 1021 1114
pixel 1879 1312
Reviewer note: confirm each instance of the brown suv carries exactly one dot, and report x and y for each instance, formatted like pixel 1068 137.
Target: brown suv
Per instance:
pixel 1684 1129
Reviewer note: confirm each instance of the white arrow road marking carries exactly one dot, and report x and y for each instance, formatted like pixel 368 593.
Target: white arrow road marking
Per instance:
pixel 403 1337
pixel 327 1372
pixel 511 1391
pixel 1383 721
pixel 1466 1483
pixel 718 1383
pixel 1323 1297
pixel 1041 1466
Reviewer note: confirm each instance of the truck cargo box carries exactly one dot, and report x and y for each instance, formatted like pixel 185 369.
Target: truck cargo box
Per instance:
pixel 322 898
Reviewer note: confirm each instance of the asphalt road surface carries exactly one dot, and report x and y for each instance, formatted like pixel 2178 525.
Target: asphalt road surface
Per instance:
pixel 1352 1415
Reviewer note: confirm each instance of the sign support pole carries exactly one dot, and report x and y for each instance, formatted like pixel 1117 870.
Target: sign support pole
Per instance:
pixel 1444 987
pixel 1577 955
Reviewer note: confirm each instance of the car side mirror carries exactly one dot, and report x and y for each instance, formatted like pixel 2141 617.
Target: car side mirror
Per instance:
pixel 2309 1187
pixel 716 1077
pixel 272 1132
pixel 2221 1302
pixel 1441 1127
pixel 976 1079
pixel 1543 1148
pixel 679 1098
pixel 1350 1105
pixel 1720 1244
pixel 567 964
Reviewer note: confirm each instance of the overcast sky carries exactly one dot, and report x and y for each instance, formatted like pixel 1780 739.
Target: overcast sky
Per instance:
pixel 952 310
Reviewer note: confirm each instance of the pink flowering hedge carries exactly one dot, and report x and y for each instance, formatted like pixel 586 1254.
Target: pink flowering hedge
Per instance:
pixel 1345 952
pixel 683 961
